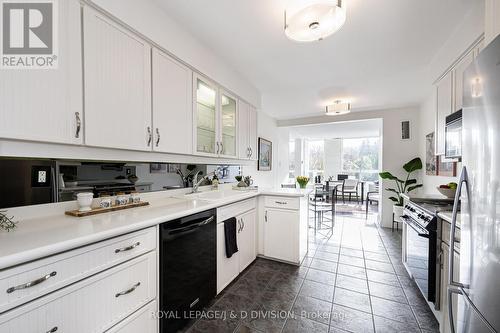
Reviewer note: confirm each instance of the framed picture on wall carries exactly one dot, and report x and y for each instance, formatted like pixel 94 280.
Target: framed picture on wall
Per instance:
pixel 430 156
pixel 265 155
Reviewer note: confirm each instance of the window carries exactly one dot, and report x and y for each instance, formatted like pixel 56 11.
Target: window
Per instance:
pixel 316 158
pixel 291 159
pixel 360 157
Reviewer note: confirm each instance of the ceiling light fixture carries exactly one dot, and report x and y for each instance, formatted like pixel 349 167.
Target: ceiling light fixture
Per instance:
pixel 316 21
pixel 337 108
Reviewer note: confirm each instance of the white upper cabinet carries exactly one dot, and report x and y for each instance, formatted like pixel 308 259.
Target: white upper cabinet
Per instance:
pixel 247 127
pixel 492 20
pixel 215 120
pixel 46 104
pixel 172 105
pixel 459 79
pixel 117 85
pixel 444 108
pixel 228 121
pixel 205 117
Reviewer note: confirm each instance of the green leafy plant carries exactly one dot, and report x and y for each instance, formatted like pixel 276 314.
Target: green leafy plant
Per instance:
pixel 238 178
pixel 403 186
pixel 302 180
pixel 6 222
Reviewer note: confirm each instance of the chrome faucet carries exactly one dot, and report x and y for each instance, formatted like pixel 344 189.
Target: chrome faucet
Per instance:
pixel 196 182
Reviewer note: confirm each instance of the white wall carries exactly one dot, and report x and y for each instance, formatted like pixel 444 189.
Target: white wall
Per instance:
pixel 268 129
pixel 151 20
pixel 395 152
pixel 469 30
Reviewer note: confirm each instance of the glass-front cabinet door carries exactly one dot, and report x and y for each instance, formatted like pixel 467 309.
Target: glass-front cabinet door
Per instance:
pixel 206 117
pixel 228 105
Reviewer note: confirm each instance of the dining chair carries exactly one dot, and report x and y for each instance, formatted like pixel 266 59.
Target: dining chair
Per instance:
pixel 372 196
pixel 350 187
pixel 320 208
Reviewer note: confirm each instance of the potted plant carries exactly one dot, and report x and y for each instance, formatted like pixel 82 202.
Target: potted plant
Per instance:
pixel 402 186
pixel 302 180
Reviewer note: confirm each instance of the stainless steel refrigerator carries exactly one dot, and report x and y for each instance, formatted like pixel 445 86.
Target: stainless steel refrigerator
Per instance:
pixel 27 182
pixel 478 285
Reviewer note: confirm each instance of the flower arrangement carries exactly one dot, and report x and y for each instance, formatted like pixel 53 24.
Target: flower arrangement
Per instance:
pixel 302 180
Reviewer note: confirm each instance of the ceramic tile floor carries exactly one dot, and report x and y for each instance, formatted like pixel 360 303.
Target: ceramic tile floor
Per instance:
pixel 351 281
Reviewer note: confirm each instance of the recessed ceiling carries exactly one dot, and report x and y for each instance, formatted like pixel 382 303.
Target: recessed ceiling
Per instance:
pixel 378 59
pixel 347 129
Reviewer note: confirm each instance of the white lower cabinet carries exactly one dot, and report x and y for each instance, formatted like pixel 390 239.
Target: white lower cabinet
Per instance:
pixel 229 268
pixel 284 228
pixel 92 305
pixel 142 321
pixel 280 235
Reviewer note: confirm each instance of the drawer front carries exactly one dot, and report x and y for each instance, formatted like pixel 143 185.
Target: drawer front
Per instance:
pixel 142 321
pixel 23 283
pixel 235 209
pixel 282 202
pixel 92 305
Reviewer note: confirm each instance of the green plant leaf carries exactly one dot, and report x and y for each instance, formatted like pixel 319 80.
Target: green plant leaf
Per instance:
pixel 413 165
pixel 412 188
pixel 410 182
pixel 392 190
pixel 394 199
pixel 387 175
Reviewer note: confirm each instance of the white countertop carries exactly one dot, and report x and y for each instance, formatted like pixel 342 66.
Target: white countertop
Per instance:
pixel 446 216
pixel 37 237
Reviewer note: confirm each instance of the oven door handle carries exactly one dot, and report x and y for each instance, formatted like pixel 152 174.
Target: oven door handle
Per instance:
pixel 409 222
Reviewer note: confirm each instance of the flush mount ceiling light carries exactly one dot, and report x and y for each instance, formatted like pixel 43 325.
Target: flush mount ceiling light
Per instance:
pixel 315 21
pixel 337 108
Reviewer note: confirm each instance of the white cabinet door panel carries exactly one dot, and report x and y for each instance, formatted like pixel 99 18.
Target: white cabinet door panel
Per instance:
pixel 117 67
pixel 141 321
pixel 444 108
pixel 281 234
pixel 227 268
pixel 172 105
pixel 243 151
pixel 246 238
pixel 252 133
pixel 40 105
pixel 459 79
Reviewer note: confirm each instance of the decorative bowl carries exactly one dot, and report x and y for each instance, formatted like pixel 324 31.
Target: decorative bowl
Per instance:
pixel 447 192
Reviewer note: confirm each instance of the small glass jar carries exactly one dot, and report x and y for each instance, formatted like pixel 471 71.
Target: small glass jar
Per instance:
pixel 134 197
pixel 105 201
pixel 121 199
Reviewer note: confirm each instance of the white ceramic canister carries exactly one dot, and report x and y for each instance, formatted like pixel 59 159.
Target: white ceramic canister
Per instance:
pixel 84 200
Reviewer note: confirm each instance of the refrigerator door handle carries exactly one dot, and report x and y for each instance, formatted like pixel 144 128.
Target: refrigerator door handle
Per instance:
pixel 460 291
pixel 464 179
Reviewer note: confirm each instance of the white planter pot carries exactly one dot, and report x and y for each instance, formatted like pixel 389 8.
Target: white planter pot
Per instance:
pixel 398 212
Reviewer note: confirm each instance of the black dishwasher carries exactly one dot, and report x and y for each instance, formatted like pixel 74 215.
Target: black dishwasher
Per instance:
pixel 188 268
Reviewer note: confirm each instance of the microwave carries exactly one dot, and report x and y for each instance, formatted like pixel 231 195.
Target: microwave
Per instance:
pixel 453 136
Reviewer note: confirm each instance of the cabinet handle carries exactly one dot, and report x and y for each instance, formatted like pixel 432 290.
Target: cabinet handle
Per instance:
pixel 78 124
pixel 52 330
pixel 157 137
pixel 248 152
pixel 265 216
pixel 251 152
pixel 221 148
pixel 128 291
pixel 128 248
pixel 239 225
pixel 218 148
pixel 32 283
pixel 150 136
pixel 242 224
pixel 281 202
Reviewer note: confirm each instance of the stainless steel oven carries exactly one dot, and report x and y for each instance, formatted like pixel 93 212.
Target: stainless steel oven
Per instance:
pixel 421 249
pixel 453 136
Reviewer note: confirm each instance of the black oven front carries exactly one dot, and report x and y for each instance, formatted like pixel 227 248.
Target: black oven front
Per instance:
pixel 420 259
